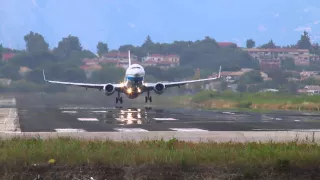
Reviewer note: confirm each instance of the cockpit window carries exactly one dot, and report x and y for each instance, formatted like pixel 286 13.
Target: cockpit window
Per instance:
pixel 135 68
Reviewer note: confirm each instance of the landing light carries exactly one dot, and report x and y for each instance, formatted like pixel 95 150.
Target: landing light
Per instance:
pixel 139 90
pixel 129 90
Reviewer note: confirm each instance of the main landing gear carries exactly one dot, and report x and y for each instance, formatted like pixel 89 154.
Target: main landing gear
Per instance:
pixel 148 98
pixel 119 99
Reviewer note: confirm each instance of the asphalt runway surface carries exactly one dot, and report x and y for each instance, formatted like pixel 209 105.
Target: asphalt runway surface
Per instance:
pixel 110 119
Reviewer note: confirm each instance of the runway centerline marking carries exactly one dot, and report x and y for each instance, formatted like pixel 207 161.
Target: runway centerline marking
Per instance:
pixel 131 130
pixel 73 112
pixel 70 130
pixel 88 119
pixel 188 129
pixel 165 119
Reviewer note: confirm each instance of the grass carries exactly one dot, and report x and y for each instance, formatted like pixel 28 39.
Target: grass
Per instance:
pixel 267 100
pixel 17 152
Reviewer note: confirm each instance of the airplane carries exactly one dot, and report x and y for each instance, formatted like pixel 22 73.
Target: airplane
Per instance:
pixel 133 84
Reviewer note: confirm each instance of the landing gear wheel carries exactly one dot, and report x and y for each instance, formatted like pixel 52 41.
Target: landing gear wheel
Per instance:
pixel 119 99
pixel 148 99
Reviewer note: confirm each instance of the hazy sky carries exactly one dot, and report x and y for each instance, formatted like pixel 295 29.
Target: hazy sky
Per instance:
pixel 120 22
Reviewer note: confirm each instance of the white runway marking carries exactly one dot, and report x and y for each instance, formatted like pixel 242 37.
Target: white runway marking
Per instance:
pixel 297 120
pixel 88 119
pixel 188 129
pixel 228 113
pixel 73 112
pixel 271 129
pixel 165 119
pixel 306 130
pixel 99 111
pixel 131 130
pixel 70 130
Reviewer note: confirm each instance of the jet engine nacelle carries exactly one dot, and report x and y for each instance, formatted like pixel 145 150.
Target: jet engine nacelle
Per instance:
pixel 109 89
pixel 159 88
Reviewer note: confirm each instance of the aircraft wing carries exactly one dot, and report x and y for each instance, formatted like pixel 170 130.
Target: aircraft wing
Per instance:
pixel 180 83
pixel 86 85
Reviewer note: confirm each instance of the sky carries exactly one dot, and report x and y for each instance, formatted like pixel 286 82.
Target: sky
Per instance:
pixel 119 22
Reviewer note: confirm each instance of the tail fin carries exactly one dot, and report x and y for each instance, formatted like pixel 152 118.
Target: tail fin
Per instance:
pixel 219 72
pixel 129 58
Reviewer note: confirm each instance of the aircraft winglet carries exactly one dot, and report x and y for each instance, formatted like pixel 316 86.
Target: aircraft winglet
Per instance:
pixel 219 72
pixel 44 76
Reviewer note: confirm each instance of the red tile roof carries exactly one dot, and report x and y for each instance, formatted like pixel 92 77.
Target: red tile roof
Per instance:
pixel 108 61
pixel 225 44
pixel 156 55
pixel 7 56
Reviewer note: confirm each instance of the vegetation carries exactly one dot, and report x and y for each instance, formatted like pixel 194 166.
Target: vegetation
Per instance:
pixel 63 63
pixel 261 100
pixel 251 159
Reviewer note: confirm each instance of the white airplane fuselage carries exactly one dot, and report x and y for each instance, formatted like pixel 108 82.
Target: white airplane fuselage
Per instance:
pixel 133 81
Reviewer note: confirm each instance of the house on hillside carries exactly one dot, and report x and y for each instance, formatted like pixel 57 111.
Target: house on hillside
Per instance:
pixel 227 44
pixel 301 57
pixel 310 89
pixel 8 56
pixel 266 64
pixel 161 61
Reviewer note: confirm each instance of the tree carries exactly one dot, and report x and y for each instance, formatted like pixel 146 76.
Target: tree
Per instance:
pixel 1 51
pixel 35 43
pixel 270 44
pixel 102 48
pixel 304 42
pixel 68 45
pixel 288 64
pixel 250 43
pixel 251 77
pixel 223 85
pixel 197 86
pixel 108 74
pixel 242 87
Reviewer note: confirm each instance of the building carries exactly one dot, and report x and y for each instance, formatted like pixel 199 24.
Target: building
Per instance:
pixel 162 61
pixel 311 90
pixel 8 56
pixel 117 55
pixel 227 44
pixel 118 59
pixel 266 64
pixel 301 57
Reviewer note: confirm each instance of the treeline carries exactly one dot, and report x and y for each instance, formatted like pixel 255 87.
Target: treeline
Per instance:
pixel 63 62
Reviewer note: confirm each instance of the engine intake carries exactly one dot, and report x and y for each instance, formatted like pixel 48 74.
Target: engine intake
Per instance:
pixel 159 88
pixel 109 89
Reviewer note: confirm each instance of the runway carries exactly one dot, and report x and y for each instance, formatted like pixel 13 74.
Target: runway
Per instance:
pixel 46 120
pixel 108 119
